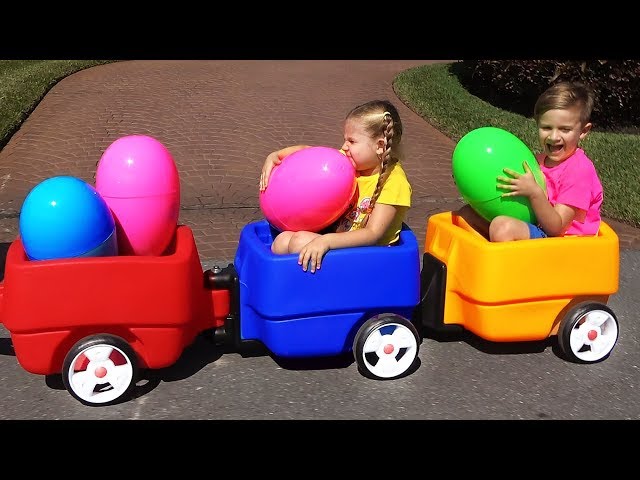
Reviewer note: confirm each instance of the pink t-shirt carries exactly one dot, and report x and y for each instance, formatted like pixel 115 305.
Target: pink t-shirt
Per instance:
pixel 575 182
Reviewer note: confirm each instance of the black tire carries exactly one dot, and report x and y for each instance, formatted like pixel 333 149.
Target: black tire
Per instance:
pixel 588 333
pixel 394 356
pixel 113 359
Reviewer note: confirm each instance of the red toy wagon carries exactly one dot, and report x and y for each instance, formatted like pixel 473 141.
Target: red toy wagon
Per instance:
pixel 146 308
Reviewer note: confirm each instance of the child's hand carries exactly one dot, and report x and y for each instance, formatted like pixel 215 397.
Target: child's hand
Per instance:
pixel 271 161
pixel 312 253
pixel 519 184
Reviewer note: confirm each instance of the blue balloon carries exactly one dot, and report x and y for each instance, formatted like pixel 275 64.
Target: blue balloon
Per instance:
pixel 65 217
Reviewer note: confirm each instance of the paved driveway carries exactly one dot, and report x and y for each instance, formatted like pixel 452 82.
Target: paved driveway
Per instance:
pixel 219 119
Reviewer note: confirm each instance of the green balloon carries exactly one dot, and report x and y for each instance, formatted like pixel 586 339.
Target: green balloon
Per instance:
pixel 478 158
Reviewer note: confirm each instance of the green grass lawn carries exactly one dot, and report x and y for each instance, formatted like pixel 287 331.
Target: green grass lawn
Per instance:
pixel 434 93
pixel 23 83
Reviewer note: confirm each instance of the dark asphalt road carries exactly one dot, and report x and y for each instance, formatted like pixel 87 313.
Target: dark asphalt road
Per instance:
pixel 462 378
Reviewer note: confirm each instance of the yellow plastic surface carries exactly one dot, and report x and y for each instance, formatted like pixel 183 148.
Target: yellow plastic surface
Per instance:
pixel 515 291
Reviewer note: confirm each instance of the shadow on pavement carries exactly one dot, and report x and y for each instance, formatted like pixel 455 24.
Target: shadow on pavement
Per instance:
pixel 194 358
pixel 4 247
pixel 492 348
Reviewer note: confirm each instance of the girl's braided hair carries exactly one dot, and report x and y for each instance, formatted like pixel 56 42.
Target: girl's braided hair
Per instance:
pixel 380 117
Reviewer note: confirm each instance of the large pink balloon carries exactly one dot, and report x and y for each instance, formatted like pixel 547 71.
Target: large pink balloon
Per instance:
pixel 138 179
pixel 309 190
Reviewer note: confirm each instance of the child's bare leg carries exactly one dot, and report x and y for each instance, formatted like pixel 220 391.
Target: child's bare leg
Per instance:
pixel 300 239
pixel 506 229
pixel 474 219
pixel 280 245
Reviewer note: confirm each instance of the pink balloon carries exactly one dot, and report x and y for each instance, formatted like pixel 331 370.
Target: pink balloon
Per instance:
pixel 138 179
pixel 309 190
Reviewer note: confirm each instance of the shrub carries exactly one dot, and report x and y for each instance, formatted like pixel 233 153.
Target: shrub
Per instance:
pixel 514 85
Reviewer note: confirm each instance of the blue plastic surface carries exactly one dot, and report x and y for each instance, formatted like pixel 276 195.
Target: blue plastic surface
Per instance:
pixel 299 314
pixel 64 217
pixel 108 248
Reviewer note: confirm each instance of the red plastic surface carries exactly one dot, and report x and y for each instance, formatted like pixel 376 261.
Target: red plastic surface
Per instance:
pixel 156 303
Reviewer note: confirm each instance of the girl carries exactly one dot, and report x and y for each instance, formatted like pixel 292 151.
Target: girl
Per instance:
pixel 372 135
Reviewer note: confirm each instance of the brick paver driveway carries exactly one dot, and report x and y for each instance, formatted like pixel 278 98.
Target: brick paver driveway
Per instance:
pixel 219 119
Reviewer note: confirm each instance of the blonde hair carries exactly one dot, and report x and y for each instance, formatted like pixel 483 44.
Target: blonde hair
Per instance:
pixel 380 117
pixel 563 96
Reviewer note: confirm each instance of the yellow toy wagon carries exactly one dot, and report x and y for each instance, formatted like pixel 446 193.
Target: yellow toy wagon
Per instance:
pixel 523 290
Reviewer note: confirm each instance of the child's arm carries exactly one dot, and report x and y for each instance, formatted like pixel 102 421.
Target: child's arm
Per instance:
pixel 554 220
pixel 379 220
pixel 273 159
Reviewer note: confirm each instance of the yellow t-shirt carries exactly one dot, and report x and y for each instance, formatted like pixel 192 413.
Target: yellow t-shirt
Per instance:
pixel 396 191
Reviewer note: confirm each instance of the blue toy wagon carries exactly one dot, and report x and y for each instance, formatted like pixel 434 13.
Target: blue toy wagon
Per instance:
pixel 354 303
